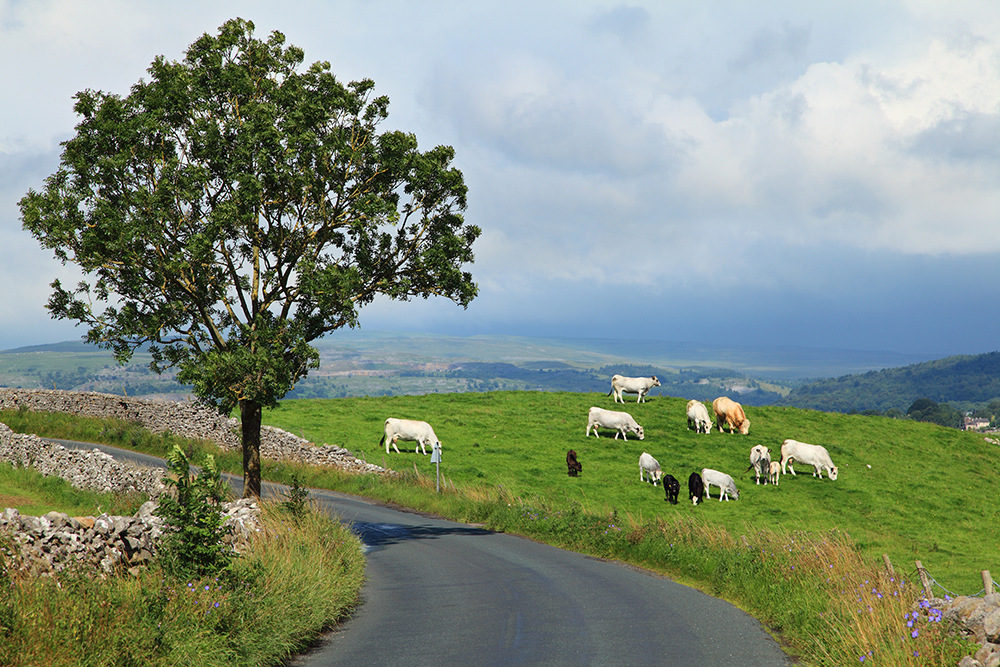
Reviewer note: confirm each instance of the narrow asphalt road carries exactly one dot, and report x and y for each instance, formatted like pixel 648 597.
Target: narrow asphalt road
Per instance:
pixel 446 593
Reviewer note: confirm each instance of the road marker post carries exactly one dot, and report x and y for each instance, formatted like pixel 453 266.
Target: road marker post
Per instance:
pixel 436 460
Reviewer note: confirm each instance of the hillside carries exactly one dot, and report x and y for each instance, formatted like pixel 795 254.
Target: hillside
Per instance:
pixel 883 498
pixel 966 382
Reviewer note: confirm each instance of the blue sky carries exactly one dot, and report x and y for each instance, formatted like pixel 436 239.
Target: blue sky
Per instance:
pixel 770 173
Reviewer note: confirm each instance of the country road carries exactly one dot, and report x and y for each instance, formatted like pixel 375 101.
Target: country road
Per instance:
pixel 446 593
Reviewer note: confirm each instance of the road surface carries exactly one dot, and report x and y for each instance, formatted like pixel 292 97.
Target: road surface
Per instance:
pixel 446 593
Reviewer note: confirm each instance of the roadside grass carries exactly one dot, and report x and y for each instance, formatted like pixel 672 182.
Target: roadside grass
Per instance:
pixel 35 494
pixel 296 578
pixel 800 556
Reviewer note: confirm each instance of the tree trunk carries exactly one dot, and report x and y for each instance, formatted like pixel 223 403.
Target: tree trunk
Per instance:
pixel 250 418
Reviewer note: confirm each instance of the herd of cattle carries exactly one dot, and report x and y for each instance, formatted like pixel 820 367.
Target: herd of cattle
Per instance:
pixel 728 413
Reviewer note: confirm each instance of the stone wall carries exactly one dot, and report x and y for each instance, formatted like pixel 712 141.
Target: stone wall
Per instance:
pixel 979 619
pixel 49 544
pixel 187 419
pixel 84 469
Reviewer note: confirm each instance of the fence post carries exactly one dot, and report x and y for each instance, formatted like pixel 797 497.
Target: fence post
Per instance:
pixel 987 582
pixel 924 580
pixel 888 565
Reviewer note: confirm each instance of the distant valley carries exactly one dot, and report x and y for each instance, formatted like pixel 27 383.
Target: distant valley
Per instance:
pixel 356 363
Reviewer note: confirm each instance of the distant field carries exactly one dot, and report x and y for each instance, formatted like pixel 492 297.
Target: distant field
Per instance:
pixel 909 489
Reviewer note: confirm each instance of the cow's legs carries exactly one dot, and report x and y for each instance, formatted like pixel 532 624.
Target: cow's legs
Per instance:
pixel 394 439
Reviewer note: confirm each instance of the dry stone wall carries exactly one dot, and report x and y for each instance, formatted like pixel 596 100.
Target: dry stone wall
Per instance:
pixel 84 469
pixel 49 544
pixel 187 419
pixel 46 545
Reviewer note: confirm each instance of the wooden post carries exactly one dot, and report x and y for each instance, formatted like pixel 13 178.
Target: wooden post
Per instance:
pixel 987 582
pixel 745 543
pixel 924 580
pixel 415 471
pixel 888 565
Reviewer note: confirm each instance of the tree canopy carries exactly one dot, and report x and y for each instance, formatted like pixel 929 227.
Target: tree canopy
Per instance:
pixel 237 206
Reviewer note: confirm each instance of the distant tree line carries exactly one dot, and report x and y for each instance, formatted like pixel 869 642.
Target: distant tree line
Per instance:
pixel 968 381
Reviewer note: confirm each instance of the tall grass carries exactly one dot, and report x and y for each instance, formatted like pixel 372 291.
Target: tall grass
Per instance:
pixel 296 578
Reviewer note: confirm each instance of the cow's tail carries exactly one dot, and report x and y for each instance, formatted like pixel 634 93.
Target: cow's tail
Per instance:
pixel 382 441
pixel 610 392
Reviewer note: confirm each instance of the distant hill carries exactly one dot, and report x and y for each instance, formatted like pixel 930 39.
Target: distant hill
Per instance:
pixel 966 382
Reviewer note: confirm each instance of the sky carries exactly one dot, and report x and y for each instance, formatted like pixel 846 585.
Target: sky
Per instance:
pixel 809 174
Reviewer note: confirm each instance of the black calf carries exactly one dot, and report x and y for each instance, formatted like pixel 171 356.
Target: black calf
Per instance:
pixel 696 488
pixel 671 487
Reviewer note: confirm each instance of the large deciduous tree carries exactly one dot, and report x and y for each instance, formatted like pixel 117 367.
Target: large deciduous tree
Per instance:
pixel 235 207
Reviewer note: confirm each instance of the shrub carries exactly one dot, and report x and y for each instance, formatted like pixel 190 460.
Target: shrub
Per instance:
pixel 192 542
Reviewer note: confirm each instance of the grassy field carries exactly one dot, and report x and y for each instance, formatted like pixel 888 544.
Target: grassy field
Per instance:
pixel 912 490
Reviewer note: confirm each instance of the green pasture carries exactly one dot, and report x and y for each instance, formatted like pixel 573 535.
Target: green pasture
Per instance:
pixel 913 490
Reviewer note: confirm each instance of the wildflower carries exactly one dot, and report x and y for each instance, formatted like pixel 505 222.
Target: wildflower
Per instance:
pixel 862 658
pixel 915 633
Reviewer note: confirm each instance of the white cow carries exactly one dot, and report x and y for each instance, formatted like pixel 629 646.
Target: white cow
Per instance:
pixel 698 417
pixel 727 487
pixel 624 385
pixel 649 465
pixel 408 429
pixel 814 455
pixel 760 461
pixel 775 472
pixel 622 422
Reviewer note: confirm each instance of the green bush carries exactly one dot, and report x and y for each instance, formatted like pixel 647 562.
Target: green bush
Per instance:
pixel 192 542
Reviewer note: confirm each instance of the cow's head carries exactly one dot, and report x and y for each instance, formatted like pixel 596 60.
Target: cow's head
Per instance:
pixel 638 432
pixel 656 383
pixel 833 472
pixel 745 427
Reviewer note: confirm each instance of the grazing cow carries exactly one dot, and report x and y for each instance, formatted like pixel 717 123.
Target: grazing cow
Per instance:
pixel 730 412
pixel 649 465
pixel 575 467
pixel 775 472
pixel 727 487
pixel 696 489
pixel 622 422
pixel 760 462
pixel 814 455
pixel 698 417
pixel 671 487
pixel 408 429
pixel 623 385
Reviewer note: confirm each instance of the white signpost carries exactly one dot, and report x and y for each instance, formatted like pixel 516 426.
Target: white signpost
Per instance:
pixel 436 460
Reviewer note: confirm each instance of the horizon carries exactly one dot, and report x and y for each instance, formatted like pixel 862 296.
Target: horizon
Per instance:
pixel 779 174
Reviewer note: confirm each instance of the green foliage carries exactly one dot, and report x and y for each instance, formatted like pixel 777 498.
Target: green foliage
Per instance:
pixel 234 207
pixel 926 410
pixel 961 380
pixel 295 498
pixel 192 543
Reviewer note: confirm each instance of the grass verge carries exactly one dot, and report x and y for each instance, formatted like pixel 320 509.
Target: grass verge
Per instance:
pixel 296 578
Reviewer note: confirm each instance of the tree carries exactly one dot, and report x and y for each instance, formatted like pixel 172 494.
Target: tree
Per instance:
pixel 234 208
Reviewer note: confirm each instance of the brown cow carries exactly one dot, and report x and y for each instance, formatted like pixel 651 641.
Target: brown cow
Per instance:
pixel 575 467
pixel 730 412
